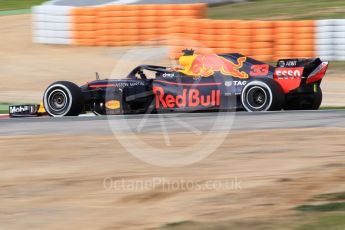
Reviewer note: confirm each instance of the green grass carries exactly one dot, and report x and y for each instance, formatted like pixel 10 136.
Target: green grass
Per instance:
pixel 329 216
pixel 259 9
pixel 332 108
pixel 280 10
pixel 303 222
pixel 9 5
pixel 337 65
pixel 14 12
pixel 330 207
pixel 333 222
pixel 330 197
pixel 231 225
pixel 4 108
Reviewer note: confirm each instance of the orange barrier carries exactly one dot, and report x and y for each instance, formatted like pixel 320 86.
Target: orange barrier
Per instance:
pixel 265 40
pixel 84 26
pixel 184 26
pixel 135 23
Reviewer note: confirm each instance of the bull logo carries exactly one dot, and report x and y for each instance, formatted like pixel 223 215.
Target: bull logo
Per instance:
pixel 207 65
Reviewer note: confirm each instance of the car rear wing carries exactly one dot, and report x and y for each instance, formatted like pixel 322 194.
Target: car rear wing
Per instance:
pixel 313 69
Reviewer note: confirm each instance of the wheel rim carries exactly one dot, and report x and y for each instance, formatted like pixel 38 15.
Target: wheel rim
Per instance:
pixel 256 97
pixel 58 101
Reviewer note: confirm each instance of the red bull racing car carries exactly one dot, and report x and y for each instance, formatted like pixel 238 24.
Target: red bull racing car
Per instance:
pixel 202 83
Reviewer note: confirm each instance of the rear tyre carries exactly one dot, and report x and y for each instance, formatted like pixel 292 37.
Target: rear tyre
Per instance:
pixel 305 102
pixel 262 95
pixel 63 99
pixel 314 101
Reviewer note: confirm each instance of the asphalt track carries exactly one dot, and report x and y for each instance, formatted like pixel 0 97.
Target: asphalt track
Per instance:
pixel 170 123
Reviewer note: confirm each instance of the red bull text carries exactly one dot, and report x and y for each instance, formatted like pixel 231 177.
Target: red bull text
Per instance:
pixel 190 98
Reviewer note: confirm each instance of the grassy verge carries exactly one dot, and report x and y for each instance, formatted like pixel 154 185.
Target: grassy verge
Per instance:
pixel 10 5
pixel 330 197
pixel 280 10
pixel 326 215
pixel 328 222
pixel 4 108
pixel 230 225
pixel 330 215
pixel 14 12
pixel 332 107
pixel 302 222
pixel 330 207
pixel 259 9
pixel 338 66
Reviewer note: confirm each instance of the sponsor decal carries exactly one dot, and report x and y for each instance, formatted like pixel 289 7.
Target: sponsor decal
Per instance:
pixel 259 70
pixel 41 108
pixel 189 98
pixel 168 75
pixel 112 105
pixel 119 85
pixel 291 63
pixel 288 73
pixel 287 63
pixel 281 64
pixel 21 109
pixel 207 65
pixel 235 83
pixel 137 83
pixel 228 83
pixel 240 83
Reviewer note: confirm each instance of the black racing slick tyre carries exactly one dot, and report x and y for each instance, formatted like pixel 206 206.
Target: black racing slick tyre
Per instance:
pixel 262 95
pixel 63 99
pixel 315 101
pixel 305 102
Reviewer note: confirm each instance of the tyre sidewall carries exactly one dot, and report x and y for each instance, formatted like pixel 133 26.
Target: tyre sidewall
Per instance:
pixel 273 91
pixel 73 93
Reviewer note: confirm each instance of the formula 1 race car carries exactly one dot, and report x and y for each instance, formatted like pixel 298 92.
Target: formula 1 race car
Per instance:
pixel 202 83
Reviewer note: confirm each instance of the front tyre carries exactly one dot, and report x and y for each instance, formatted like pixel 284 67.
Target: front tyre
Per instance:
pixel 262 95
pixel 63 99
